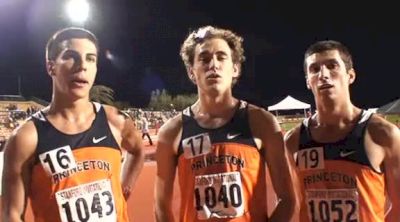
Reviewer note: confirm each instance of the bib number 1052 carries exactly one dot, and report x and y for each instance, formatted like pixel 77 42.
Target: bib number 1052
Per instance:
pixel 333 205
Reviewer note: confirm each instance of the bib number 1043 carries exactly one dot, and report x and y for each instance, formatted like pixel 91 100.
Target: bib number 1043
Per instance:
pixel 87 202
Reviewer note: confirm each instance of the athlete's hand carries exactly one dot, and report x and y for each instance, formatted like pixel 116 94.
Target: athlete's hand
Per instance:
pixel 126 191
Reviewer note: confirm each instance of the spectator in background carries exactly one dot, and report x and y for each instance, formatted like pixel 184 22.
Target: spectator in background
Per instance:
pixel 308 113
pixel 145 129
pixel 158 123
pixel 29 111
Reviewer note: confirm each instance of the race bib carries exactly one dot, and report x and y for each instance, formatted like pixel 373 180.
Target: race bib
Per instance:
pixel 332 205
pixel 58 160
pixel 219 196
pixel 311 158
pixel 196 145
pixel 91 202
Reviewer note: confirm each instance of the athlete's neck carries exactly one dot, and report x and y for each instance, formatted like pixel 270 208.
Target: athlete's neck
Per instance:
pixel 71 110
pixel 338 114
pixel 215 106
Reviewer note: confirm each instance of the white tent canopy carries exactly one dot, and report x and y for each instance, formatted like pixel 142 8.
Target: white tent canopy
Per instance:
pixel 289 103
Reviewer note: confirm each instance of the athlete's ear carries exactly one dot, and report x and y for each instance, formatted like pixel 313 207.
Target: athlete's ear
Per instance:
pixel 236 70
pixel 307 82
pixel 50 67
pixel 352 76
pixel 191 75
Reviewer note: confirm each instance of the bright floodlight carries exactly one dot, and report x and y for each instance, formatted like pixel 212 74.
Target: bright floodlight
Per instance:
pixel 109 55
pixel 78 10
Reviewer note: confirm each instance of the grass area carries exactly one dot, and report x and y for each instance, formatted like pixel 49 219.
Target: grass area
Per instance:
pixel 393 118
pixel 288 125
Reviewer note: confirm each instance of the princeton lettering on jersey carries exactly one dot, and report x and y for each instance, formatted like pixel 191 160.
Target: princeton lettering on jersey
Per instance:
pixel 217 159
pixel 82 166
pixel 337 177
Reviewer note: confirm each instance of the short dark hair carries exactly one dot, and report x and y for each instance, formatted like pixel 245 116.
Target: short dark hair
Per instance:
pixel 54 45
pixel 198 36
pixel 327 45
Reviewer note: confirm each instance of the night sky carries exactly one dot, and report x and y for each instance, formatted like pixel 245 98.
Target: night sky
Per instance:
pixel 145 38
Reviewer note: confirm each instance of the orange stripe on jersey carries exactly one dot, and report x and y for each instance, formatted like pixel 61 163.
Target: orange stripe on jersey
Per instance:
pixel 223 180
pixel 87 189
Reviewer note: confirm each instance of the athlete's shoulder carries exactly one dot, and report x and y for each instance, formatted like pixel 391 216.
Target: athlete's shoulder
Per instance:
pixel 25 130
pixel 260 113
pixel 116 116
pixel 292 138
pixel 263 124
pixel 381 130
pixel 110 110
pixel 261 117
pixel 23 139
pixel 172 124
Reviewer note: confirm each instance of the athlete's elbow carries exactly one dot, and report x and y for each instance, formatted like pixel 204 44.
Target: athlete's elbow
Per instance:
pixel 138 154
pixel 9 215
pixel 163 212
pixel 290 203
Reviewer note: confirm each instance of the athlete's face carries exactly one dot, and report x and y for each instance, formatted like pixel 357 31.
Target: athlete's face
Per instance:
pixel 74 70
pixel 327 75
pixel 213 68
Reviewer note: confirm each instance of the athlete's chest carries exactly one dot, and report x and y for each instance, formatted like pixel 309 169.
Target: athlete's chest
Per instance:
pixel 72 126
pixel 330 134
pixel 332 156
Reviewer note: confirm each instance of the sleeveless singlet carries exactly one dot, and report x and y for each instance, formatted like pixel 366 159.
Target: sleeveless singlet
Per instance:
pixel 77 177
pixel 339 183
pixel 221 171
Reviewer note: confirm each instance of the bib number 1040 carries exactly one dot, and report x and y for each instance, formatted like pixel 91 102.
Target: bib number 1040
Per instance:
pixel 219 195
pixel 226 195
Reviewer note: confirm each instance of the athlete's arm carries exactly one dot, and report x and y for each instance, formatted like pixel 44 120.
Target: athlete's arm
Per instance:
pixel 292 139
pixel 387 136
pixel 265 126
pixel 392 174
pixel 167 146
pixel 18 156
pixel 124 130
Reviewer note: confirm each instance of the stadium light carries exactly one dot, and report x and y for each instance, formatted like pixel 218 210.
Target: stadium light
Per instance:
pixel 109 55
pixel 78 10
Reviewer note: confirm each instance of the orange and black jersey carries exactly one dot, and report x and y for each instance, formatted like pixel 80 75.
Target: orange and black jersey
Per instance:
pixel 338 181
pixel 77 177
pixel 221 171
